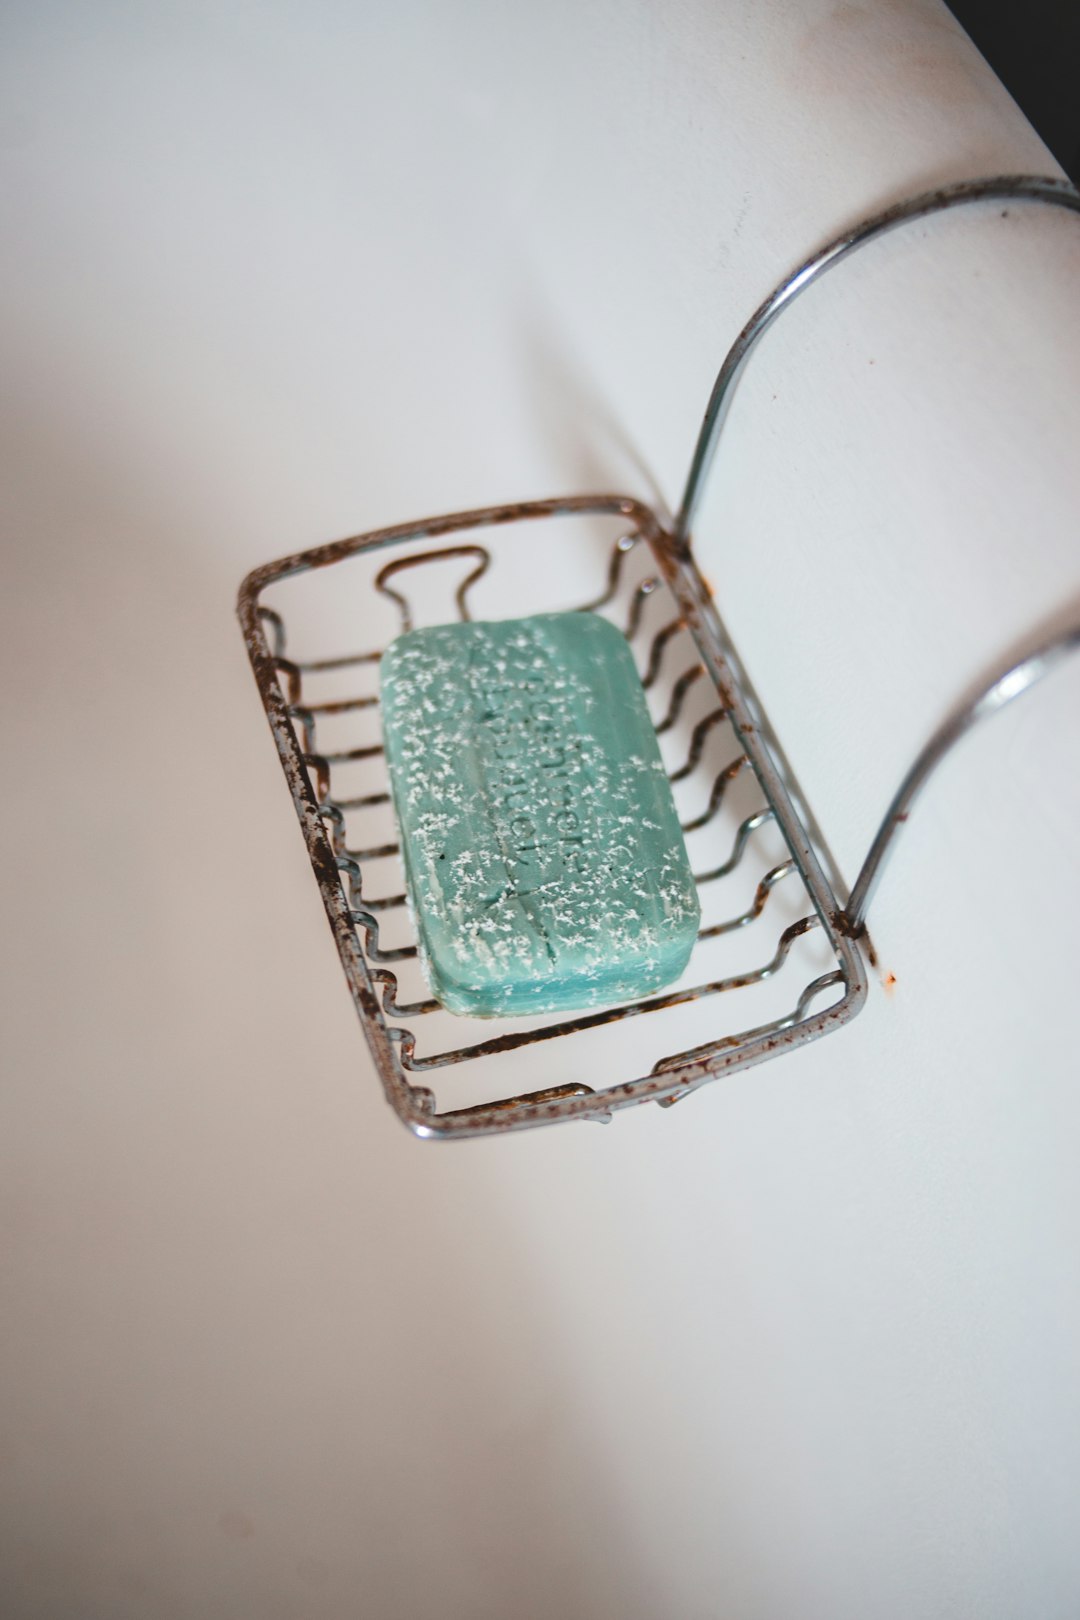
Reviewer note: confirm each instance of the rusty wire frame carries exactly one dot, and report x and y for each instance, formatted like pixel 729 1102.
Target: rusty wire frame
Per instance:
pixel 353 918
pixel 353 915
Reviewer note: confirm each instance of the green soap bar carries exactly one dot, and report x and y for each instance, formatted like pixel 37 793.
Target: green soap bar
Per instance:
pixel 543 856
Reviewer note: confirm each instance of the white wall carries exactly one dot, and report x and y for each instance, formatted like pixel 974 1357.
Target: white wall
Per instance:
pixel 802 1346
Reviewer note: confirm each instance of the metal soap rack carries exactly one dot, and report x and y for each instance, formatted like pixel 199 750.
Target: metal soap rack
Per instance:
pixel 749 830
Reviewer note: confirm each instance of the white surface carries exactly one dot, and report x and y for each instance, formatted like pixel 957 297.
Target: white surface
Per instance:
pixel 805 1345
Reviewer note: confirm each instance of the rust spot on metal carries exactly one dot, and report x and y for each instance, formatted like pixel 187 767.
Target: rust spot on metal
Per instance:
pixel 527 1099
pixel 857 932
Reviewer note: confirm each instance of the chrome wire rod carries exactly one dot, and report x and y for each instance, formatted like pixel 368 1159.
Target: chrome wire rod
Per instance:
pixel 1002 188
pixel 1007 685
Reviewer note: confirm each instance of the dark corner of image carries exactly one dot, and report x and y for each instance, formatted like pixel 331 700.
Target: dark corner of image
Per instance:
pixel 1035 51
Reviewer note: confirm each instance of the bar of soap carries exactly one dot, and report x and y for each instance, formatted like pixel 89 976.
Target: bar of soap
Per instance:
pixel 543 856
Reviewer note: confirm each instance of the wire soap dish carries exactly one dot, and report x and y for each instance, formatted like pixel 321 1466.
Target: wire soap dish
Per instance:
pixel 779 960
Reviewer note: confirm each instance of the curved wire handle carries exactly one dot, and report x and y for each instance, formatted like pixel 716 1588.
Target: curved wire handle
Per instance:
pixel 1008 683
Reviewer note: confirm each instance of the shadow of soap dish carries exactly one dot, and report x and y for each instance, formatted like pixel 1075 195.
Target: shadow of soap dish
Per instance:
pixel 779 959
